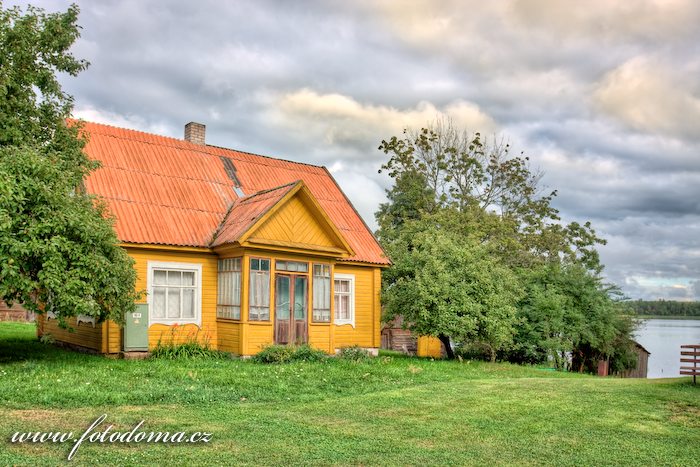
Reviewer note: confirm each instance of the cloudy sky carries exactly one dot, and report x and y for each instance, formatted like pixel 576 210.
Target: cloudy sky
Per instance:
pixel 603 95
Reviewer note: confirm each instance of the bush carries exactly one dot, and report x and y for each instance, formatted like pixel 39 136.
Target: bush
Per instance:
pixel 288 354
pixel 354 354
pixel 193 347
pixel 186 350
pixel 473 351
pixel 47 338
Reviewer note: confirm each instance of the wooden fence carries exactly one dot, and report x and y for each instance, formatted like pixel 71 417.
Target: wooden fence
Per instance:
pixel 690 354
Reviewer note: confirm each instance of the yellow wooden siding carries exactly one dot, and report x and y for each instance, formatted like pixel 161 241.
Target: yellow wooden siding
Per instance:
pixel 207 334
pixel 294 223
pixel 242 337
pixel 229 337
pixel 114 336
pixel 259 336
pixel 366 330
pixel 83 335
pixel 319 337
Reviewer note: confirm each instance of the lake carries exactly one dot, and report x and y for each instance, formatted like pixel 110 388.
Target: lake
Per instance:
pixel 663 338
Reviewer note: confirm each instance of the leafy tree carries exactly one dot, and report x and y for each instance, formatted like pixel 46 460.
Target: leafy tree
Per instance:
pixel 409 199
pixel 567 310
pixel 58 249
pixel 450 287
pixel 466 173
pixel 468 229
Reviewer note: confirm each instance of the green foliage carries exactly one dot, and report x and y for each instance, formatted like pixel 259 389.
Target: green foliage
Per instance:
pixel 354 354
pixel 47 338
pixel 33 108
pixel 289 354
pixel 186 350
pixel 193 347
pixel 58 249
pixel 449 287
pixel 482 259
pixel 467 173
pixel 569 311
pixel 664 308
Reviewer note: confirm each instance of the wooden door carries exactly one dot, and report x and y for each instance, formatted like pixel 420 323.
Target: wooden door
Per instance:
pixel 291 309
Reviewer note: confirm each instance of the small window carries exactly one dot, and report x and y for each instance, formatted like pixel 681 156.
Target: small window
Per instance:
pixel 292 266
pixel 228 303
pixel 322 293
pixel 344 288
pixel 259 307
pixel 175 291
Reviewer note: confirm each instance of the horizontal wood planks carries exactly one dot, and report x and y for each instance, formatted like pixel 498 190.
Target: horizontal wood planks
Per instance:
pixel 692 350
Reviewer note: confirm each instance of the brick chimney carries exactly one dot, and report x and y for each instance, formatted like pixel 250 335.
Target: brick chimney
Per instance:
pixel 194 133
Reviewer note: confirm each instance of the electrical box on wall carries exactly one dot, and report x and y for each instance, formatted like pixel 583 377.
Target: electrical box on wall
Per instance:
pixel 136 329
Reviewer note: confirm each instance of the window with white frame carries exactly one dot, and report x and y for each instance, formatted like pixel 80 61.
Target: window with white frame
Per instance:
pixel 259 306
pixel 322 293
pixel 344 287
pixel 228 302
pixel 175 291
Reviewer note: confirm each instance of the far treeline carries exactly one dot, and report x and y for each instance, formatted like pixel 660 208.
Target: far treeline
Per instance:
pixel 664 308
pixel 482 260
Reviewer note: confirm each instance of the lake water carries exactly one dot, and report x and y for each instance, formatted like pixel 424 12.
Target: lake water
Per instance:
pixel 663 338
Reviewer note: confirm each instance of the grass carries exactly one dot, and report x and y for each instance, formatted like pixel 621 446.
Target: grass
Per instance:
pixel 390 410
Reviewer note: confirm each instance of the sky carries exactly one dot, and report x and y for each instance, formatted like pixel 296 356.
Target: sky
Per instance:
pixel 602 95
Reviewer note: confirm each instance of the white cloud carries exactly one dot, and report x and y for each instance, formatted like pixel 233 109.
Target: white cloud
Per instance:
pixel 336 120
pixel 135 122
pixel 648 96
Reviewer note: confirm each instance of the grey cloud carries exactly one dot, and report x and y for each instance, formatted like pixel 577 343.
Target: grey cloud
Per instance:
pixel 324 82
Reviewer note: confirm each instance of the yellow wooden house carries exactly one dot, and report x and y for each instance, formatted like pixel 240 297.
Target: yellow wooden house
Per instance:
pixel 235 250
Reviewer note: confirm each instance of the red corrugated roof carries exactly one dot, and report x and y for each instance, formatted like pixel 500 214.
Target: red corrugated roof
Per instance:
pixel 246 211
pixel 169 191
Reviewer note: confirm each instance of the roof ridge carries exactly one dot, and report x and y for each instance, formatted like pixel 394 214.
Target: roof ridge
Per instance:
pixel 267 190
pixel 194 147
pixel 266 157
pixel 242 201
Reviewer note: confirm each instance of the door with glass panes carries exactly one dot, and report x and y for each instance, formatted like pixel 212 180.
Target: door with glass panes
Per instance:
pixel 291 303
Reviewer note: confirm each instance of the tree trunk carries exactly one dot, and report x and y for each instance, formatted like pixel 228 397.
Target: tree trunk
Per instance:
pixel 493 354
pixel 448 347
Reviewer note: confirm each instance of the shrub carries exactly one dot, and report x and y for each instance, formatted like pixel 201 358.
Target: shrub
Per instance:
pixel 192 347
pixel 289 353
pixel 354 354
pixel 47 338
pixel 186 350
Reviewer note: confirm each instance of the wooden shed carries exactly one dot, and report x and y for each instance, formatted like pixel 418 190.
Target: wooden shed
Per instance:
pixel 642 363
pixel 394 337
pixel 639 372
pixel 14 313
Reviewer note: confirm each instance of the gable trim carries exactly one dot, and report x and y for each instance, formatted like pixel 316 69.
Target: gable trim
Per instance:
pixel 299 188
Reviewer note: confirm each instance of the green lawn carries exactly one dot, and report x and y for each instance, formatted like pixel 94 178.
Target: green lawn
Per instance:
pixel 391 410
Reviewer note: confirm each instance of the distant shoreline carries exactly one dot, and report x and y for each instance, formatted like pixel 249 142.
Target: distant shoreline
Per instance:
pixel 665 317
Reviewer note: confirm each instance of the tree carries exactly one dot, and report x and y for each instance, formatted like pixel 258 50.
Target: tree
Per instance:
pixel 469 228
pixel 567 311
pixel 450 287
pixel 58 249
pixel 466 173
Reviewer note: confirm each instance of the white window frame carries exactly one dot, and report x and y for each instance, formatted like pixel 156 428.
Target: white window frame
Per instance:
pixel 351 321
pixel 219 284
pixel 188 267
pixel 330 292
